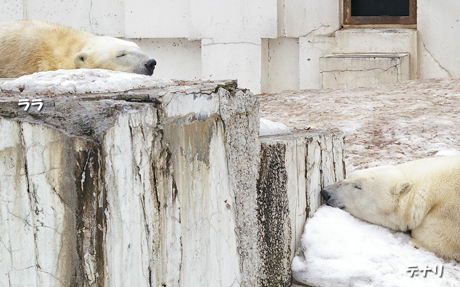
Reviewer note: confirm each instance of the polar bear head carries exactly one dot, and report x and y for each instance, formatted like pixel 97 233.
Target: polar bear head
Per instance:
pixel 114 54
pixel 372 195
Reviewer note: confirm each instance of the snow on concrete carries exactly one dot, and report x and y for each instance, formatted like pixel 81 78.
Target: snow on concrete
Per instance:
pixel 81 81
pixel 268 127
pixel 340 250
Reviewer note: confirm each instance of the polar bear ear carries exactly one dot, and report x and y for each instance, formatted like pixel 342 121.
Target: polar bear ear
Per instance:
pixel 402 187
pixel 80 59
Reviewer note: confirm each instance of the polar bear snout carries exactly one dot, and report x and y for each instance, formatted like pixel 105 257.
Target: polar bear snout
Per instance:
pixel 330 199
pixel 150 66
pixel 147 67
pixel 325 194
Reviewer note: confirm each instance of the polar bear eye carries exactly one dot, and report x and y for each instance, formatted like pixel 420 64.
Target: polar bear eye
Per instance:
pixel 121 55
pixel 355 185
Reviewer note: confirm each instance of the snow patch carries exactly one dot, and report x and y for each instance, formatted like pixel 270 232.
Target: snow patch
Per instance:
pixel 338 249
pixel 81 81
pixel 268 127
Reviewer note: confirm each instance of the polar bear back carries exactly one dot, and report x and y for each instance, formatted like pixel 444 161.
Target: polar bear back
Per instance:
pixel 29 46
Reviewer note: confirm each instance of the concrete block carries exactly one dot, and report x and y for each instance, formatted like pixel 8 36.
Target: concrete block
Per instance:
pixel 241 61
pixel 371 41
pixel 236 21
pixel 300 18
pixel 155 187
pixel 281 69
pixel 160 19
pixel 311 49
pixel 200 19
pixel 103 17
pixel 344 71
pixel 293 170
pixel 159 191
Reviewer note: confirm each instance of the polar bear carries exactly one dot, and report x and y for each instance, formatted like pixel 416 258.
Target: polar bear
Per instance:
pixel 420 196
pixel 30 46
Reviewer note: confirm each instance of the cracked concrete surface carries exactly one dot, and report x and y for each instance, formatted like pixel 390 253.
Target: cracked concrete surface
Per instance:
pixel 363 70
pixel 153 187
pixel 138 197
pixel 38 219
pixel 427 59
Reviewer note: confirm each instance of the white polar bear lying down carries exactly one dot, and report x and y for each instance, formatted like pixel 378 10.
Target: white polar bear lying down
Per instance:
pixel 339 250
pixel 31 46
pixel 422 196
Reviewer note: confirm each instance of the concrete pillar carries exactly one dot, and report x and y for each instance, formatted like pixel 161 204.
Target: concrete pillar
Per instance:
pixel 157 187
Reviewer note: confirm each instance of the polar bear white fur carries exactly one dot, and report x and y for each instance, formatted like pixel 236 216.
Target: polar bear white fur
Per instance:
pixel 421 196
pixel 30 46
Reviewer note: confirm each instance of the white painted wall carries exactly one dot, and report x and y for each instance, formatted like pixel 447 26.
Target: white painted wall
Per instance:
pixel 281 57
pixel 299 18
pixel 240 61
pixel 311 49
pixel 11 10
pixel 176 58
pixel 438 26
pixel 267 45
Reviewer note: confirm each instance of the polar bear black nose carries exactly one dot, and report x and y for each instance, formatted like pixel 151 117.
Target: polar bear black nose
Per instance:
pixel 150 65
pixel 325 195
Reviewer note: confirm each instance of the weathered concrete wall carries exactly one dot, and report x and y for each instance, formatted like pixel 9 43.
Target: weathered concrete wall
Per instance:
pixel 157 187
pixel 345 71
pixel 293 170
pixel 438 27
pixel 208 39
pixel 40 193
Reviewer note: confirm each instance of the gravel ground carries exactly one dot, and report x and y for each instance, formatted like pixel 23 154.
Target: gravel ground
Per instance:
pixel 383 125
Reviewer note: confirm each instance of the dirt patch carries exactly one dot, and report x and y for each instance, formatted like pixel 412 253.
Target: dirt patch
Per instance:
pixel 383 125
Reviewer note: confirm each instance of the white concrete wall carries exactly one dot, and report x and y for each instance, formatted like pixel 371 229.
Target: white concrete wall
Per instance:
pixel 438 24
pixel 240 61
pixel 267 45
pixel 281 59
pixel 311 49
pixel 176 58
pixel 300 18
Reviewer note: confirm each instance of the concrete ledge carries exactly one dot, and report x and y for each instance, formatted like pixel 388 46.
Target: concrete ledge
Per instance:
pixel 342 71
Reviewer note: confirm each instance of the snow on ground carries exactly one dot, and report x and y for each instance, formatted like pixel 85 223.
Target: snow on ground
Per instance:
pixel 383 125
pixel 81 81
pixel 268 127
pixel 341 250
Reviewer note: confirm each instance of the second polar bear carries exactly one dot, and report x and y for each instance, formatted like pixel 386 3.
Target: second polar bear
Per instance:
pixel 30 46
pixel 421 196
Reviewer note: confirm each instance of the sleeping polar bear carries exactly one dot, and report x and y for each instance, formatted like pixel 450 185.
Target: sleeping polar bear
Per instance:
pixel 30 46
pixel 421 196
